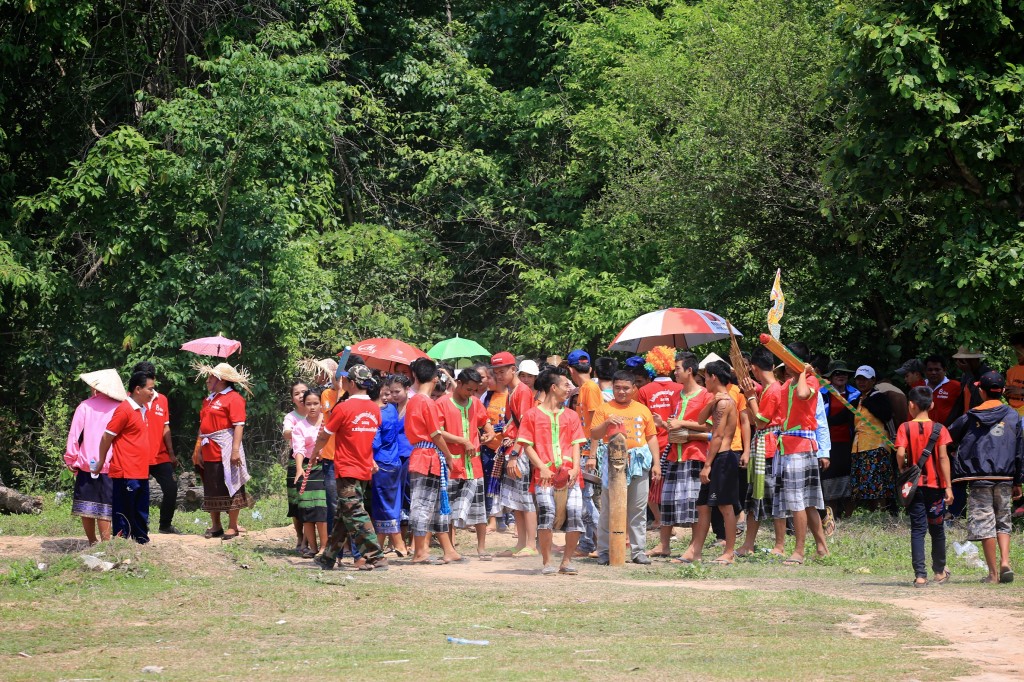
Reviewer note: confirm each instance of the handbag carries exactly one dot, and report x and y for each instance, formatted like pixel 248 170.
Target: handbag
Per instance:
pixel 907 481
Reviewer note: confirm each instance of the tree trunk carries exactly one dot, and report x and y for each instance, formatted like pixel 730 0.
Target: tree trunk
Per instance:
pixel 13 502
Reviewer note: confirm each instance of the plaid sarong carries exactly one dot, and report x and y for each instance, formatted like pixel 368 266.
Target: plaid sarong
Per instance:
pixel 797 485
pixel 515 492
pixel 467 496
pixel 547 509
pixel 446 507
pixel 497 471
pixel 425 514
pixel 679 493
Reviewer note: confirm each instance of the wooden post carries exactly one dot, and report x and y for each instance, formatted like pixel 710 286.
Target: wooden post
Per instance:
pixel 617 537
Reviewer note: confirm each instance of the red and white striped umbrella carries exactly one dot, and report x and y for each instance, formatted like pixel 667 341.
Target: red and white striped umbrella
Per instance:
pixel 676 327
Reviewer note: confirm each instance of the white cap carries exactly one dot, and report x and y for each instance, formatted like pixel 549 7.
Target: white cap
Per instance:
pixel 865 371
pixel 712 357
pixel 529 367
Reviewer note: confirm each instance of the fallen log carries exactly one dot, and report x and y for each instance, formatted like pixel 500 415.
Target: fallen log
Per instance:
pixel 13 502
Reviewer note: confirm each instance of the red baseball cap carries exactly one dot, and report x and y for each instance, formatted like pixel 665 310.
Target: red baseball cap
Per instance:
pixel 503 359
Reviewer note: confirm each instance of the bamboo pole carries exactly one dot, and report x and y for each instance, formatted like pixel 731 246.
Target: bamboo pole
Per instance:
pixel 794 363
pixel 617 536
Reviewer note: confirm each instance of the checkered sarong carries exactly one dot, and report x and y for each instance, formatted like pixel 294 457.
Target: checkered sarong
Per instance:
pixel 467 500
pixel 761 509
pixel 797 484
pixel 515 492
pixel 679 494
pixel 547 509
pixel 425 505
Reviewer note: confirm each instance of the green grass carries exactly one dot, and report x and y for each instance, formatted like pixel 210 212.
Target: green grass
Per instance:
pixel 79 624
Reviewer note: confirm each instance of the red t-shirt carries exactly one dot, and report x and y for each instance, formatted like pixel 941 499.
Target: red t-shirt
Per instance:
pixel 520 401
pixel 421 424
pixel 661 397
pixel 943 399
pixel 458 421
pixel 687 408
pixel 157 417
pixel 769 406
pixel 220 411
pixel 552 436
pixel 132 452
pixel 920 432
pixel 801 415
pixel 353 424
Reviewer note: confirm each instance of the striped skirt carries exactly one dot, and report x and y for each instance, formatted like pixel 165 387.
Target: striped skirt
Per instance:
pixel 313 500
pixel 93 497
pixel 215 491
pixel 292 489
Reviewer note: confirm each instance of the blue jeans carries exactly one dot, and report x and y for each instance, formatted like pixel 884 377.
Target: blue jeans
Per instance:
pixel 331 488
pixel 591 516
pixel 130 504
pixel 926 516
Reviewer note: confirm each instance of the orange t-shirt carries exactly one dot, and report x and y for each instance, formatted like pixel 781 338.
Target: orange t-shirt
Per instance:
pixel 588 400
pixel 1015 379
pixel 131 442
pixel 637 422
pixel 328 401
pixel 920 432
pixel 741 404
pixel 496 405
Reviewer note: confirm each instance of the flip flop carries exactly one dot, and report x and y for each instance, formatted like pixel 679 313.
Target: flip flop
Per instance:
pixel 549 570
pixel 460 560
pixel 568 570
pixel 659 555
pixel 526 552
pixel 485 557
pixel 428 562
pixel 989 580
pixel 743 555
pixel 232 536
pixel 211 533
pixel 681 560
pixel 505 554
pixel 721 562
pixel 1006 575
pixel 793 562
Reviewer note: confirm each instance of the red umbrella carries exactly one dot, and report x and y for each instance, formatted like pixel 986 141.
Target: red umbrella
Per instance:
pixel 217 346
pixel 384 354
pixel 676 327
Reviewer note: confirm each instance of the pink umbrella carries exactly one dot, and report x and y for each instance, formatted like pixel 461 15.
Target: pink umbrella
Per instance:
pixel 676 327
pixel 217 346
pixel 384 354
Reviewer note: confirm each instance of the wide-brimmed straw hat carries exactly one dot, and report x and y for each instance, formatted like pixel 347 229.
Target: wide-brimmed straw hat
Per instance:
pixel 313 367
pixel 106 381
pixel 225 372
pixel 965 353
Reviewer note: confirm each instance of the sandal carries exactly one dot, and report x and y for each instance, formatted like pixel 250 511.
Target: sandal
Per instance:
pixel 659 555
pixel 526 552
pixel 306 554
pixel 721 562
pixel 428 562
pixel 944 579
pixel 232 536
pixel 829 523
pixel 681 560
pixel 920 584
pixel 484 556
pixel 568 569
pixel 793 562
pixel 505 554
pixel 1006 575
pixel 211 533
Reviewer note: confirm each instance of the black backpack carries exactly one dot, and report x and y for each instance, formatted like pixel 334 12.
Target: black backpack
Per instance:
pixel 906 482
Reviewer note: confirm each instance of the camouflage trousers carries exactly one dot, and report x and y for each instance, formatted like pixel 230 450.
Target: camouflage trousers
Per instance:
pixel 352 523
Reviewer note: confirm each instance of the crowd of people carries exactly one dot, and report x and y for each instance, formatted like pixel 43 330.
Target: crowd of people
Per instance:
pixel 383 464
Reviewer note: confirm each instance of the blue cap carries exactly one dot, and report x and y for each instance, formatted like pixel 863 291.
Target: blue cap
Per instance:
pixel 578 357
pixel 635 361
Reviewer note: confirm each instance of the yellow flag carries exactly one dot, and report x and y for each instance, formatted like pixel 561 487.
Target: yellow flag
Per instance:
pixel 778 307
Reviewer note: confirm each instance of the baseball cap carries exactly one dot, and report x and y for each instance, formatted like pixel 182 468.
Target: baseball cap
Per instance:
pixel 911 365
pixel 529 367
pixel 866 371
pixel 991 382
pixel 503 359
pixel 360 375
pixel 635 361
pixel 578 358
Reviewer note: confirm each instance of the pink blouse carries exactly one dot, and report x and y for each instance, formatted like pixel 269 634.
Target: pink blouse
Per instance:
pixel 91 418
pixel 304 437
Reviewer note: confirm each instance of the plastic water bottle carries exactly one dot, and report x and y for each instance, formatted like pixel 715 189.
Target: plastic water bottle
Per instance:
pixel 476 642
pixel 92 465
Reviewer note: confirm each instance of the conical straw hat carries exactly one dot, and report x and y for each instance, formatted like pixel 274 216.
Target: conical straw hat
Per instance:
pixel 225 372
pixel 106 381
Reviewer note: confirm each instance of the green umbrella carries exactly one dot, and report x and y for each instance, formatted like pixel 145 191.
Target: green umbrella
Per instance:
pixel 457 348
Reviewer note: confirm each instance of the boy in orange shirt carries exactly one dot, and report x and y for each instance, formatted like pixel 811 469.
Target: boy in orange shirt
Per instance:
pixel 935 490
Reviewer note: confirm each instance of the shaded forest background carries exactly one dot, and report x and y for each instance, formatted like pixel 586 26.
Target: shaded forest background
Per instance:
pixel 532 174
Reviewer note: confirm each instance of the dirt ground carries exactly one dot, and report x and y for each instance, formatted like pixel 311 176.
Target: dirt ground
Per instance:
pixel 978 630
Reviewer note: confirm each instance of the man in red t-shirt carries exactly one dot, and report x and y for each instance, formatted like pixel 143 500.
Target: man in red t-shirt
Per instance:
pixel 945 391
pixel 765 409
pixel 935 488
pixel 462 416
pixel 686 458
pixel 353 424
pixel 163 463
pixel 127 435
pixel 429 464
pixel 661 396
pixel 552 435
